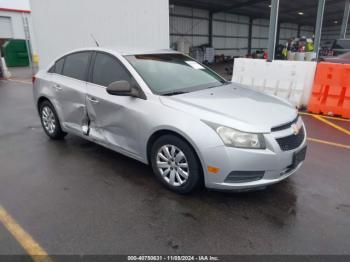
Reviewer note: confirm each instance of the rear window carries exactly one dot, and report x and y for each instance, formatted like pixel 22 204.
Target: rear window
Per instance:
pixel 76 65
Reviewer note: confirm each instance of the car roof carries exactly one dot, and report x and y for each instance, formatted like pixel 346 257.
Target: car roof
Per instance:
pixel 117 51
pixel 126 51
pixel 148 51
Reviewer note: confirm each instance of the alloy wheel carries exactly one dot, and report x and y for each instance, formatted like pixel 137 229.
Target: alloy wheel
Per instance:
pixel 49 120
pixel 173 165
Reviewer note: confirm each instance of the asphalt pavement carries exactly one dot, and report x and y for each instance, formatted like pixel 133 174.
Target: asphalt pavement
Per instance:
pixel 75 197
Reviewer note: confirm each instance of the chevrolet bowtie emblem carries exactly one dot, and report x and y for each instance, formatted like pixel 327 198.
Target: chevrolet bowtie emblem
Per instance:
pixel 295 129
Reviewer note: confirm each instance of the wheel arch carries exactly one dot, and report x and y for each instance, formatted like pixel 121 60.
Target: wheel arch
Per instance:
pixel 40 101
pixel 162 132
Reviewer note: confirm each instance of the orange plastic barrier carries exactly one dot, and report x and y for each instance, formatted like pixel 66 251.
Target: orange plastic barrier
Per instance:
pixel 331 90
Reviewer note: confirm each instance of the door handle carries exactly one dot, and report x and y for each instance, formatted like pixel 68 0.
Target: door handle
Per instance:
pixel 92 99
pixel 57 87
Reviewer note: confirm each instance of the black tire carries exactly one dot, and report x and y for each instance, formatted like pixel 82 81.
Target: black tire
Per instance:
pixel 195 177
pixel 56 133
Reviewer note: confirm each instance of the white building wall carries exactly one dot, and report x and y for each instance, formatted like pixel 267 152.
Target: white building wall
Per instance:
pixel 5 27
pixel 60 26
pixel 15 4
pixel 16 23
pixel 17 27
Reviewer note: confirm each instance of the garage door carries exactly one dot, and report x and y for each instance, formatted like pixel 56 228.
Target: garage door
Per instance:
pixel 5 27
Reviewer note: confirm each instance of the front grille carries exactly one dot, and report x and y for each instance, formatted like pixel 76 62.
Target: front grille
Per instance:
pixel 291 142
pixel 244 176
pixel 284 126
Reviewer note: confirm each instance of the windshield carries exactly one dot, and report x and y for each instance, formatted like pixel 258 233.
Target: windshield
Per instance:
pixel 171 74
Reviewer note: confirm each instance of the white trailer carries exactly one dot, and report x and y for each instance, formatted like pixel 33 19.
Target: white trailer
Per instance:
pixel 60 26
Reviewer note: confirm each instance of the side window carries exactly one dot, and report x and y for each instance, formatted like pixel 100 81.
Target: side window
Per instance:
pixel 52 69
pixel 59 66
pixel 75 65
pixel 108 70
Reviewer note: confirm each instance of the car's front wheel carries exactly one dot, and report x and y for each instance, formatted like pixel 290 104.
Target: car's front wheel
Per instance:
pixel 175 164
pixel 50 121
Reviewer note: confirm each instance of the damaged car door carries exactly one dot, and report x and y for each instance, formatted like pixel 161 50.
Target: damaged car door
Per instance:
pixel 113 120
pixel 71 90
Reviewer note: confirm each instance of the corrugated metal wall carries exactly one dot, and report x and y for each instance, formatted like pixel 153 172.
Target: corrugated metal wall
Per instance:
pixel 330 33
pixel 260 34
pixel 230 32
pixel 287 31
pixel 307 31
pixel 189 24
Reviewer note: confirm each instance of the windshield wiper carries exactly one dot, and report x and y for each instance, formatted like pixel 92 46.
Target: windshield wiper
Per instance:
pixel 174 93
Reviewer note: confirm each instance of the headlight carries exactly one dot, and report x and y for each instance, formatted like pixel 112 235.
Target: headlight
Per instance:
pixel 235 138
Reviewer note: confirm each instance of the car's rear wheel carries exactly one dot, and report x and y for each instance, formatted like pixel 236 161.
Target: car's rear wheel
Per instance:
pixel 50 121
pixel 175 164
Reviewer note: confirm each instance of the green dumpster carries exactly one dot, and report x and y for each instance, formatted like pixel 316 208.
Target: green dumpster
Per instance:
pixel 15 53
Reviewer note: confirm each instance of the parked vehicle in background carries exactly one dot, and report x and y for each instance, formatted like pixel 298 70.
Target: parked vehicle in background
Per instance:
pixel 341 46
pixel 167 110
pixel 341 59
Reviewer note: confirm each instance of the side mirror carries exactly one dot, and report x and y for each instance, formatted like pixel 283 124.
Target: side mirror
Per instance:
pixel 122 88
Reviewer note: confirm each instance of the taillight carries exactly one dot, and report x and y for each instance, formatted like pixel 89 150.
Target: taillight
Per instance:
pixel 33 79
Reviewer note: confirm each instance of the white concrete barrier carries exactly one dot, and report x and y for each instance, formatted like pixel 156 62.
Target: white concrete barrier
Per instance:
pixel 291 80
pixel 3 67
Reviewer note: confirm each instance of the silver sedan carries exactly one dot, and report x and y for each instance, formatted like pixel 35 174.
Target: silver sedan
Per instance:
pixel 167 110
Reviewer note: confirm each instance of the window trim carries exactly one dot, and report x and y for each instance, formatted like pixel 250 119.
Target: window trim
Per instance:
pixel 92 65
pixel 86 73
pixel 53 67
pixel 91 70
pixel 190 58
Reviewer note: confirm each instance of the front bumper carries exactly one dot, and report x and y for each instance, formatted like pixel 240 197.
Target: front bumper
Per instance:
pixel 273 162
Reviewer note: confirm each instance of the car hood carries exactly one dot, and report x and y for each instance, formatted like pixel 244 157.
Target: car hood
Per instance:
pixel 336 59
pixel 234 106
pixel 329 58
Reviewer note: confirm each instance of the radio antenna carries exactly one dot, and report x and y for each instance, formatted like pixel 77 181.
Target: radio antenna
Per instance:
pixel 97 44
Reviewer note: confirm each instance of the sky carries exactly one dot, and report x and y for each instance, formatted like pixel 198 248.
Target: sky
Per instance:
pixel 15 4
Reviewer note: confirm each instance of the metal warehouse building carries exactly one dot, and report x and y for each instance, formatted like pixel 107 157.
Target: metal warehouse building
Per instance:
pixel 15 22
pixel 232 28
pixel 230 32
pixel 12 23
pixel 239 27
